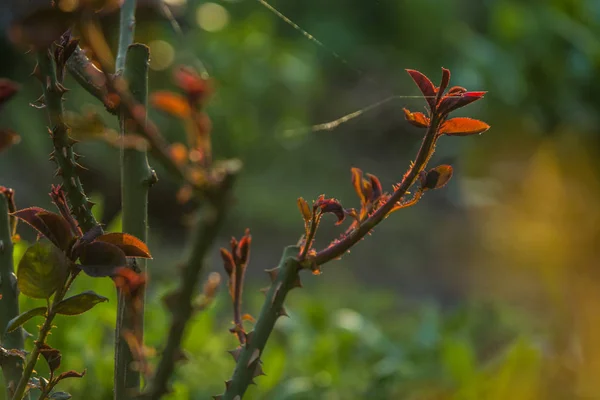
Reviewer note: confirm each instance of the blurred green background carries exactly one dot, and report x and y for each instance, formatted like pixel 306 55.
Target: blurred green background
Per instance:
pixel 487 289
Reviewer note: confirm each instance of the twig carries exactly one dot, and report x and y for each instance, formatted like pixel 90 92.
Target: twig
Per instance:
pixel 136 179
pixel 126 33
pixel 423 156
pixel 208 226
pixel 90 78
pixel 12 367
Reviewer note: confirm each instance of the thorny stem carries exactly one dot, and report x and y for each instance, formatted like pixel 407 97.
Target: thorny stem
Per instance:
pixel 423 156
pixel 237 301
pixel 207 229
pixel 247 357
pixel 136 179
pixel 12 367
pixel 63 144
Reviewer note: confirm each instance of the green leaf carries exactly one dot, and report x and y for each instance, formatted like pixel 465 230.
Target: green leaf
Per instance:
pixel 60 396
pixel 42 270
pixel 24 317
pixel 80 303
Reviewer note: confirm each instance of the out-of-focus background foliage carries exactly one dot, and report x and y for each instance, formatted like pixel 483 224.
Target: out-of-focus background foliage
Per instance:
pixel 487 289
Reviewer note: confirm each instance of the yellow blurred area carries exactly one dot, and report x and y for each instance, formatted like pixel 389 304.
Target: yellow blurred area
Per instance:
pixel 540 251
pixel 212 17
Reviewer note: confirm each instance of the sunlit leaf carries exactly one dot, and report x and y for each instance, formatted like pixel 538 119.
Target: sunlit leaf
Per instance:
pixel 100 259
pixel 195 86
pixel 51 225
pixel 24 317
pixel 70 374
pixel 331 206
pixel 8 137
pixel 42 270
pixel 304 210
pixel 171 103
pixel 450 103
pixel 79 303
pixel 357 183
pixel 463 127
pixel 52 356
pixel 376 189
pixel 417 119
pixel 129 244
pixel 445 81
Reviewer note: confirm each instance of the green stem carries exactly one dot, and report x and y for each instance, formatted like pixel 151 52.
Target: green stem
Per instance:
pixel 42 335
pixel 63 152
pixel 212 217
pixel 126 33
pixel 248 356
pixel 12 368
pixel 136 179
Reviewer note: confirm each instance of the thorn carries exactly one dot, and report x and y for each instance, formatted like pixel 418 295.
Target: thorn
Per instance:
pixel 235 353
pixel 228 384
pixel 264 290
pixel 90 204
pixel 37 72
pixel 258 371
pixel 272 273
pixel 73 182
pixel 283 313
pixel 218 397
pixel 254 357
pixel 72 141
pixel 59 172
pixel 249 337
pixel 61 89
pixel 77 156
pixel 80 167
pixel 238 397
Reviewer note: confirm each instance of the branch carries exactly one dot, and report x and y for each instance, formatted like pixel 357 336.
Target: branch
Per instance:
pixel 247 357
pixel 63 152
pixel 126 32
pixel 207 229
pixel 136 179
pixel 12 367
pixel 90 78
pixel 423 156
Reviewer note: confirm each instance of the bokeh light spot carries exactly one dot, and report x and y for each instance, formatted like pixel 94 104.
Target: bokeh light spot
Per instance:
pixel 212 17
pixel 162 55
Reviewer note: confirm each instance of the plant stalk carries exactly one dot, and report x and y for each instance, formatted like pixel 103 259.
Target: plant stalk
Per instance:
pixel 248 364
pixel 214 213
pixel 12 368
pixel 136 179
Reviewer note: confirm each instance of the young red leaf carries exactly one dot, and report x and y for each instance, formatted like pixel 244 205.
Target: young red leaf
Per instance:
pixel 425 85
pixel 443 84
pixel 376 189
pixel 70 374
pixel 8 89
pixel 437 177
pixel 8 137
pixel 196 87
pixel 331 206
pixel 59 229
pixel 171 103
pixel 228 262
pixel 52 356
pixel 100 259
pixel 357 182
pixel 131 282
pixel 304 210
pixel 417 119
pixel 243 249
pixel 450 103
pixel 131 246
pixel 463 127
